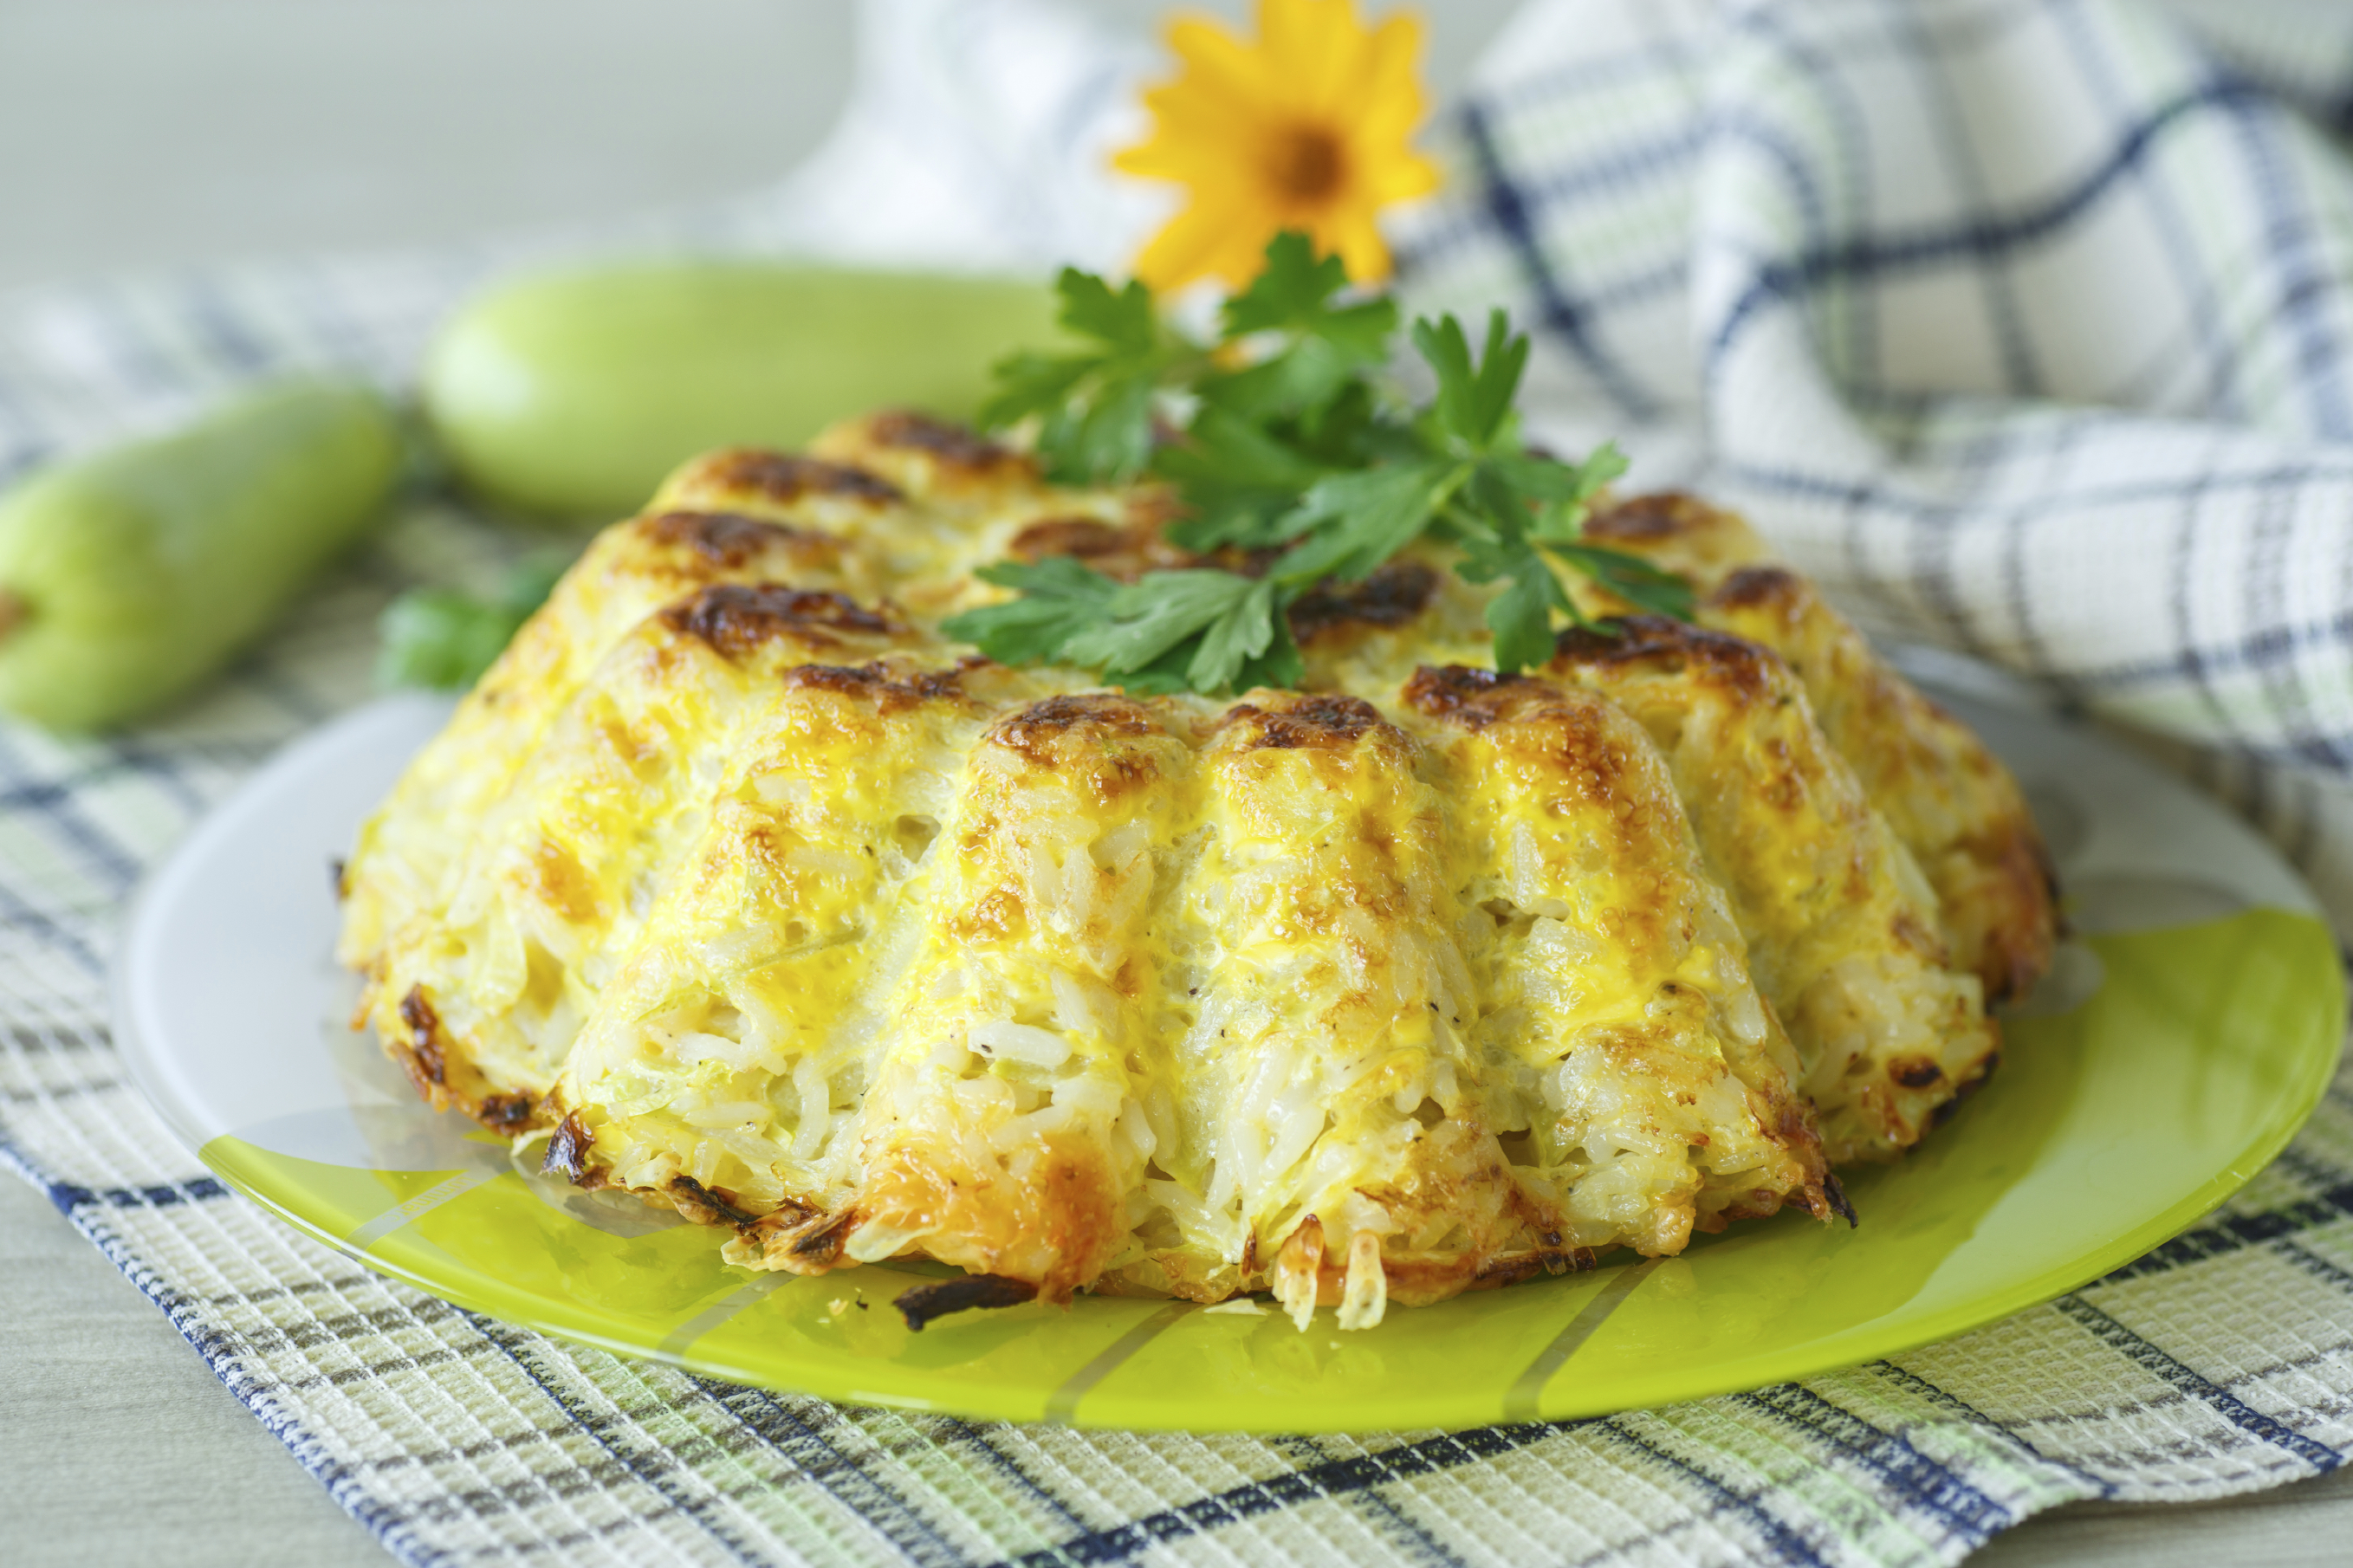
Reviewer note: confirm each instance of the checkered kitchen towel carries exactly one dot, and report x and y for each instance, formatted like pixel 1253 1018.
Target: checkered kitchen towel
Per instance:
pixel 1852 261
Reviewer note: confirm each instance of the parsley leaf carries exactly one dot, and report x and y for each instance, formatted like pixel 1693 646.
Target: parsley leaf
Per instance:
pixel 1060 599
pixel 1240 639
pixel 1632 578
pixel 1356 521
pixel 1239 479
pixel 1575 484
pixel 1110 438
pixel 1292 291
pixel 1200 629
pixel 1123 322
pixel 1330 346
pixel 441 640
pixel 1150 617
pixel 1096 405
pixel 1285 436
pixel 1473 402
pixel 1521 616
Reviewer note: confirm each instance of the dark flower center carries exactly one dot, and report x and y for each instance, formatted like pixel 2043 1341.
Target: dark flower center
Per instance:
pixel 1303 162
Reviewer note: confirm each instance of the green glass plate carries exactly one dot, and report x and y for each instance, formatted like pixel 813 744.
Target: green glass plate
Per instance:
pixel 2184 1034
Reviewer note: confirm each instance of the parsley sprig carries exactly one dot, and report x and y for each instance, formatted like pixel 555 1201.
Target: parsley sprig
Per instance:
pixel 440 639
pixel 1290 451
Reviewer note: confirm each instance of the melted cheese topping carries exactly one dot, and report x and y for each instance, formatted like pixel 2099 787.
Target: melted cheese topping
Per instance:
pixel 1947 798
pixel 779 909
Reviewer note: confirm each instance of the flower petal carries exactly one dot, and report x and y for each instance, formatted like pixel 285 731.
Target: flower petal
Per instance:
pixel 1315 49
pixel 1353 234
pixel 1216 236
pixel 1394 46
pixel 1398 178
pixel 1192 153
pixel 1218 65
pixel 1228 128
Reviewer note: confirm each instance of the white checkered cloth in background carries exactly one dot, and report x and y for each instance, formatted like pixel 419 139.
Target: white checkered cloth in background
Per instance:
pixel 1848 263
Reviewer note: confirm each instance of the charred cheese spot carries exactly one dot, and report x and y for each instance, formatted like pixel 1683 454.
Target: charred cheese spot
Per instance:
pixel 703 1205
pixel 1323 720
pixel 950 446
pixel 782 479
pixel 1677 532
pixel 1734 666
pixel 1759 588
pixel 1967 1089
pixel 1471 698
pixel 1083 538
pixel 935 463
pixel 1510 1268
pixel 506 1112
pixel 1393 595
pixel 424 1050
pixel 817 1241
pixel 736 619
pixel 921 1304
pixel 1066 731
pixel 730 540
pixel 889 688
pixel 567 1150
pixel 1648 518
pixel 1121 552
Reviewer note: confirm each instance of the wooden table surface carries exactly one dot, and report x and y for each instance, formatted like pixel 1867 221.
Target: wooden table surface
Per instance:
pixel 138 132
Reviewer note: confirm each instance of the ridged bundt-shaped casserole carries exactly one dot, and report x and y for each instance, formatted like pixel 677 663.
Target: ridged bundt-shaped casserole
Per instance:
pixel 754 895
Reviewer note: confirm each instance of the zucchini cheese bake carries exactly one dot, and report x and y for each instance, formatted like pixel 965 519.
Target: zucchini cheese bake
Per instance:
pixel 745 890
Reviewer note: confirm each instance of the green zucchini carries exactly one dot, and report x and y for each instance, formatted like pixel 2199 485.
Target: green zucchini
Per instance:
pixel 128 575
pixel 572 395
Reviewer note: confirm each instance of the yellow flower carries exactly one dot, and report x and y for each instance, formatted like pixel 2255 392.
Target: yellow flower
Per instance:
pixel 1307 130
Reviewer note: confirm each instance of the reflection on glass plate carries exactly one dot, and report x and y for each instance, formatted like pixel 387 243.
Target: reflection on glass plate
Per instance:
pixel 2191 1023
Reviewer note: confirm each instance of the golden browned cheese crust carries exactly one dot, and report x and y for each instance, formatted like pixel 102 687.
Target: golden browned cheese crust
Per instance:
pixel 1954 805
pixel 547 891
pixel 1841 928
pixel 395 874
pixel 750 894
pixel 1623 953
